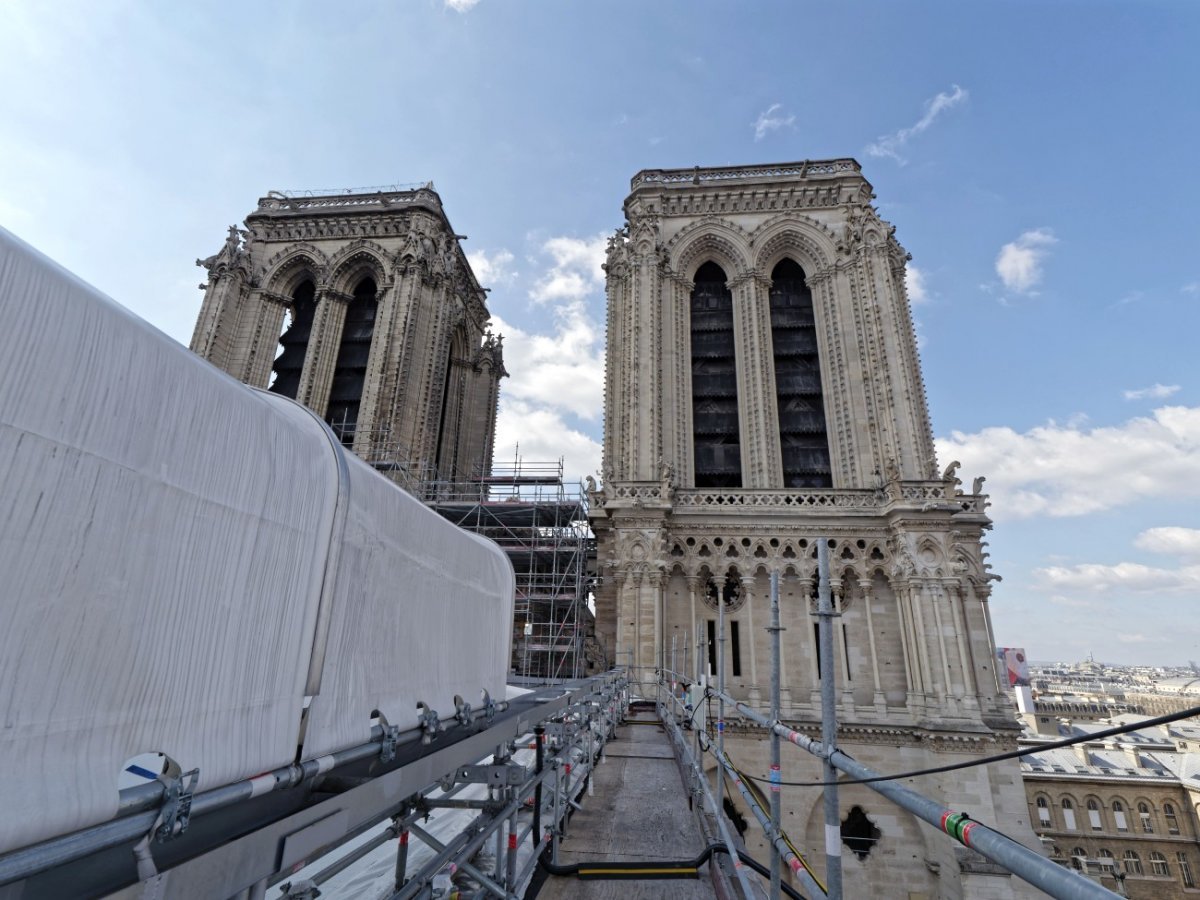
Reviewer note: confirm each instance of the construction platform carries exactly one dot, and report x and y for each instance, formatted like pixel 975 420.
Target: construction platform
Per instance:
pixel 639 813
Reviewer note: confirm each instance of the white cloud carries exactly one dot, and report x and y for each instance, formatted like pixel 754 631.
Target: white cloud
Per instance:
pixel 1171 540
pixel 1127 577
pixel 1019 263
pixel 1155 392
pixel 561 370
pixel 1192 287
pixel 1069 470
pixel 461 5
pixel 772 119
pixel 918 293
pixel 890 145
pixel 540 434
pixel 492 268
pixel 576 271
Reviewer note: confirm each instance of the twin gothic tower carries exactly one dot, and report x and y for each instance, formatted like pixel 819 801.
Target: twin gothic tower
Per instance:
pixel 361 306
pixel 763 392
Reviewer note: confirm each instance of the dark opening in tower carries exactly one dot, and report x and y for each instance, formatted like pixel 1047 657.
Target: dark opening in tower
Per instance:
pixel 294 341
pixel 718 460
pixel 350 370
pixel 803 440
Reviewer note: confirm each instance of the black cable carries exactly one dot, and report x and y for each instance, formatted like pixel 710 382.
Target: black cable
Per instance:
pixel 999 757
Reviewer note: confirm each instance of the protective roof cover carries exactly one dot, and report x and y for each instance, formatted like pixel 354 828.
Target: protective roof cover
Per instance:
pixel 170 544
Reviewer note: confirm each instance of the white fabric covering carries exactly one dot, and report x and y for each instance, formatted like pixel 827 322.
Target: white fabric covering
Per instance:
pixel 422 611
pixel 165 536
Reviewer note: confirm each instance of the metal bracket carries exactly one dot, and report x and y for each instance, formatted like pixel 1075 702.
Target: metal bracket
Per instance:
pixel 489 707
pixel 391 736
pixel 462 711
pixel 430 724
pixel 177 805
pixel 496 776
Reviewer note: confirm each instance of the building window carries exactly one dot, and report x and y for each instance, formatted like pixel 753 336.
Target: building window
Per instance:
pixel 1185 869
pixel 1172 819
pixel 1068 811
pixel 1133 863
pixel 1106 861
pixel 1144 815
pixel 735 648
pixel 1079 859
pixel 350 369
pixel 293 344
pixel 1159 866
pixel 1094 815
pixel 803 441
pixel 715 431
pixel 1043 810
pixel 1118 809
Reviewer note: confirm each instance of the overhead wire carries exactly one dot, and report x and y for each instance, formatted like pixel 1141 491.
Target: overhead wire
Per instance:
pixel 1000 757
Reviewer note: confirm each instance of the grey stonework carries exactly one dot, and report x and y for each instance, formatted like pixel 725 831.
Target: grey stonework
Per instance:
pixel 428 403
pixel 916 669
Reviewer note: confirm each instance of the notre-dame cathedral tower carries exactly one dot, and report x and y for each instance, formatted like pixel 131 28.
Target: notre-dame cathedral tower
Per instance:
pixel 763 391
pixel 361 306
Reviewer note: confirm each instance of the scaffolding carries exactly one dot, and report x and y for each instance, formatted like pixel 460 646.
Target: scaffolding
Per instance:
pixel 540 522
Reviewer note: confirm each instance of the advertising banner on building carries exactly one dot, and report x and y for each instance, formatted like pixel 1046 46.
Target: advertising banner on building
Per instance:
pixel 1013 662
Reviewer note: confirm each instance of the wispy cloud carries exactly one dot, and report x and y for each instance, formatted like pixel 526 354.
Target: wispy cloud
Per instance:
pixel 914 280
pixel 492 268
pixel 1019 263
pixel 1170 539
pixel 1155 392
pixel 461 5
pixel 890 145
pixel 1131 578
pixel 772 119
pixel 576 269
pixel 1192 287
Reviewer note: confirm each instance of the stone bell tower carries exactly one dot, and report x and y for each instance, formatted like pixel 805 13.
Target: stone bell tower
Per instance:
pixel 763 391
pixel 363 307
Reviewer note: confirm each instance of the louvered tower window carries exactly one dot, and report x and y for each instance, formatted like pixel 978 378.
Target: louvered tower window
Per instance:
pixel 802 437
pixel 294 341
pixel 715 432
pixel 350 370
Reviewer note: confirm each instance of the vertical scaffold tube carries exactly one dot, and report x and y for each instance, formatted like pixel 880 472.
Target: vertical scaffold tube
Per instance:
pixel 776 800
pixel 539 740
pixel 833 819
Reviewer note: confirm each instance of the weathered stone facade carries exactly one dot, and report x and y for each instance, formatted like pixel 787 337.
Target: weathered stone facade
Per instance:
pixel 383 325
pixel 763 391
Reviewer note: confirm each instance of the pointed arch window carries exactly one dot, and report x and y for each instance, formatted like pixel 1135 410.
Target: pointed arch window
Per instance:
pixel 803 439
pixel 293 342
pixel 715 430
pixel 350 370
pixel 453 388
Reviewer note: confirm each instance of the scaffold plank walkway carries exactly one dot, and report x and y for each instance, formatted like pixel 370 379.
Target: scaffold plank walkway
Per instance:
pixel 639 812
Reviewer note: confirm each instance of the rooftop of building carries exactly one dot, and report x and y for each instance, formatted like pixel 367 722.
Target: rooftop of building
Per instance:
pixel 342 201
pixel 803 170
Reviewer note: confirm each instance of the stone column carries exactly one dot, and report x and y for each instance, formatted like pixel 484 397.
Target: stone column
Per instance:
pixel 878 700
pixel 970 682
pixel 370 437
pixel 755 693
pixel 269 309
pixel 693 584
pixel 316 378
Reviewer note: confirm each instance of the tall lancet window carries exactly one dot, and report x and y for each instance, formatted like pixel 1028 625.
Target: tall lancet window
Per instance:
pixel 802 435
pixel 452 400
pixel 294 342
pixel 350 370
pixel 718 458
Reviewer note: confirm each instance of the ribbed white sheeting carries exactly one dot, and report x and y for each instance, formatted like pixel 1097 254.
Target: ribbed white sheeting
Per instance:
pixel 169 542
pixel 422 611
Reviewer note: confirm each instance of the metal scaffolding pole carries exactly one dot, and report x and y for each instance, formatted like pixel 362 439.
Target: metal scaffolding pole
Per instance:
pixel 1055 880
pixel 833 819
pixel 776 804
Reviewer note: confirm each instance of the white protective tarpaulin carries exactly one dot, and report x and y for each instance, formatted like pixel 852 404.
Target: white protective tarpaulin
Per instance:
pixel 171 543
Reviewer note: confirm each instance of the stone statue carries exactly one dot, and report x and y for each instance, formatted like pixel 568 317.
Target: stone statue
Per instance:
pixel 228 255
pixel 892 470
pixel 590 482
pixel 977 485
pixel 949 474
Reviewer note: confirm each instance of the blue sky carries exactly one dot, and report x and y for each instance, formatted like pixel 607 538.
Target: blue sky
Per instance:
pixel 1038 159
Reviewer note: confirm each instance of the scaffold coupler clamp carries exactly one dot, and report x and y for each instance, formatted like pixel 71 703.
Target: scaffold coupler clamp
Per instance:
pixel 462 711
pixel 389 739
pixel 429 722
pixel 177 805
pixel 489 707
